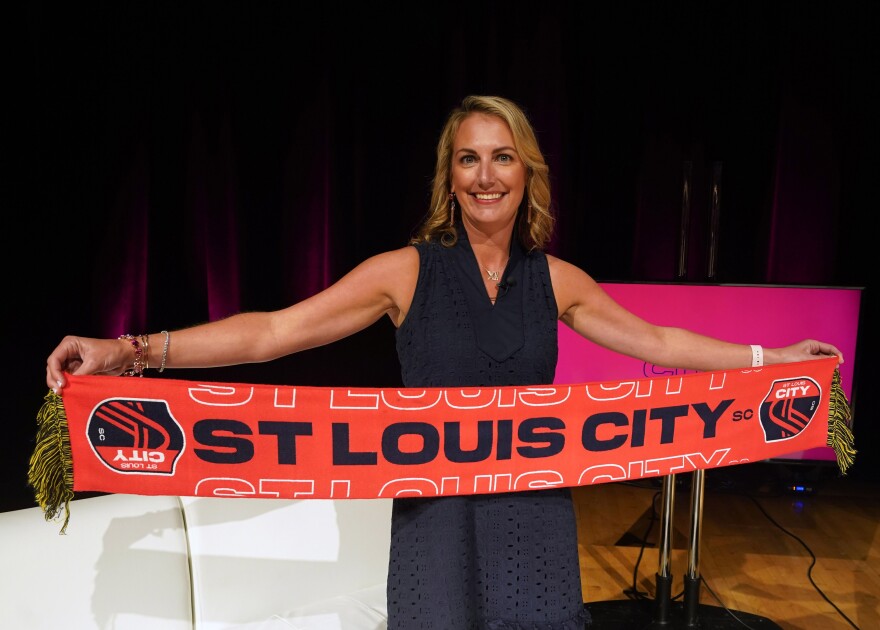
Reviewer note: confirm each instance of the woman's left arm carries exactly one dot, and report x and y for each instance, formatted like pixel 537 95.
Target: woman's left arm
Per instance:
pixel 587 309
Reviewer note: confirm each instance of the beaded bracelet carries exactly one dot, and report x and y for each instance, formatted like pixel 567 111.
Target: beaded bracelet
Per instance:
pixel 138 368
pixel 165 350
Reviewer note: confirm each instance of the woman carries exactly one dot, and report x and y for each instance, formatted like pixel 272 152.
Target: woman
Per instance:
pixel 476 302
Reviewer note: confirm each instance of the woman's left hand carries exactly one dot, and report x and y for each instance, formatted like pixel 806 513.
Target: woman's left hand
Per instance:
pixel 802 351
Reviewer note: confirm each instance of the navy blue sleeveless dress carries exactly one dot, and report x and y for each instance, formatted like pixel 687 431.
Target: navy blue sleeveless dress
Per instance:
pixel 499 561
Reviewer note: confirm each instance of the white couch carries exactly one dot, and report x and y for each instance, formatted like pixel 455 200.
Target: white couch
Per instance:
pixel 146 563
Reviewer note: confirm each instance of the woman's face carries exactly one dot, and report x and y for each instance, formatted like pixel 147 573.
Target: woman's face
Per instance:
pixel 488 176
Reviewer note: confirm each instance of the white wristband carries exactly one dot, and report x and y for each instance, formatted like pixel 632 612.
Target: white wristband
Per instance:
pixel 757 356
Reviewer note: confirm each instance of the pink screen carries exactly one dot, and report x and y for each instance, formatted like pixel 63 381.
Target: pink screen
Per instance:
pixel 772 316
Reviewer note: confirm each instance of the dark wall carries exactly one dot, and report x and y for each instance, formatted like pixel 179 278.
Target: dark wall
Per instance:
pixel 167 163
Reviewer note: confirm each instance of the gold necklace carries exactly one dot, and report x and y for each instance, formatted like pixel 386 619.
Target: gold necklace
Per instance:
pixel 494 276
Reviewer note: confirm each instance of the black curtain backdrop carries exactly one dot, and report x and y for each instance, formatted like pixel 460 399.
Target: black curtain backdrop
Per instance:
pixel 167 164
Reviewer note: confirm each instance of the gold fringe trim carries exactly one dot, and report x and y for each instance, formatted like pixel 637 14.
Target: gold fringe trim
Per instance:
pixel 51 466
pixel 840 435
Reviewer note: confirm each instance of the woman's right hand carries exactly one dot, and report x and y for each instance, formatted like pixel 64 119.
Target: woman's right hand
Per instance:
pixel 84 355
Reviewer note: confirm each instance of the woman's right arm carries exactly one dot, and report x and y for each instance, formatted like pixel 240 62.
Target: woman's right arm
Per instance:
pixel 381 285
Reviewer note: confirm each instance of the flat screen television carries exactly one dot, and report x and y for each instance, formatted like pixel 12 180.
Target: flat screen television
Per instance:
pixel 770 315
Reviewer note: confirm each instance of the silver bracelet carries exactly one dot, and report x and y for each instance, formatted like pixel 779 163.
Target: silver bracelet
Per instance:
pixel 757 356
pixel 165 350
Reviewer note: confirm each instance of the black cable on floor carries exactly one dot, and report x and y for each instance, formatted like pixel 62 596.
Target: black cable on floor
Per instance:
pixel 726 609
pixel 812 563
pixel 633 592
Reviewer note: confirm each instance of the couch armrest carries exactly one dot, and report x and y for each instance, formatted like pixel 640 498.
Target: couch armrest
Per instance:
pixel 121 564
pixel 314 563
pixel 144 562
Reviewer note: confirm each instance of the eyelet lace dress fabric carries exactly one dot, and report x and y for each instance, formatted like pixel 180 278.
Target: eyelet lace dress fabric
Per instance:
pixel 504 561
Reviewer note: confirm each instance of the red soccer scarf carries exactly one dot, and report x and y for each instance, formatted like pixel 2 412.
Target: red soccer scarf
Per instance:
pixel 156 436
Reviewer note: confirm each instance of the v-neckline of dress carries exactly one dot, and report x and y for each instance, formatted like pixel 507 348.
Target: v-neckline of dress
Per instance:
pixel 498 326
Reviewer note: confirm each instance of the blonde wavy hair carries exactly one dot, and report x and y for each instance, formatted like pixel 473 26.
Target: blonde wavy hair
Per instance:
pixel 534 228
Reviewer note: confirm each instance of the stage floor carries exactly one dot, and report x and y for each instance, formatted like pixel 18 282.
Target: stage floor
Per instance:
pixel 756 569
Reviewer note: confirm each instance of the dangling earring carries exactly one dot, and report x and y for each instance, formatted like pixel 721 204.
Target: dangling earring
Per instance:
pixel 451 209
pixel 529 214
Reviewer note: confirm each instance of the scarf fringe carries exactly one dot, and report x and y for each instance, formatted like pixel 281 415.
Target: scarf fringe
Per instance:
pixel 840 435
pixel 50 472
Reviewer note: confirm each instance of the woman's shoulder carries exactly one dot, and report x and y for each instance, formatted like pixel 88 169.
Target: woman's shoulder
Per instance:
pixel 401 255
pixel 555 261
pixel 566 276
pixel 563 267
pixel 394 264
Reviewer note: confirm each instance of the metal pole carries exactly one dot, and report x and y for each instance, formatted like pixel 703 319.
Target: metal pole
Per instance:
pixel 692 576
pixel 663 598
pixel 698 483
pixel 687 168
pixel 714 218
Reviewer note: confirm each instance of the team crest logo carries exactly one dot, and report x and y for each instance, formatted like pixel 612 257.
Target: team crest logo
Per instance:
pixel 136 436
pixel 788 407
